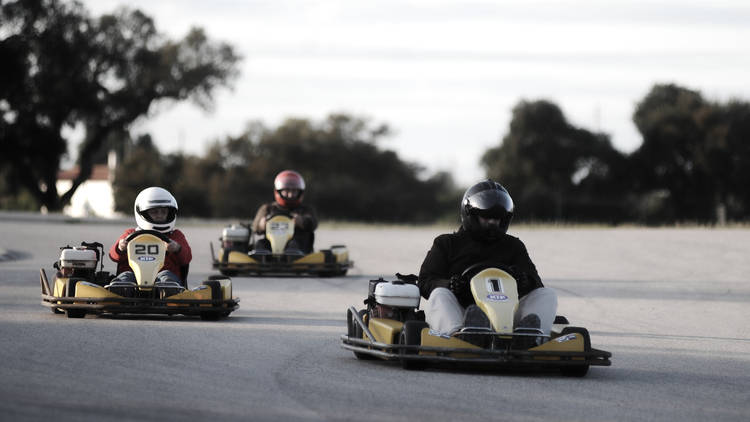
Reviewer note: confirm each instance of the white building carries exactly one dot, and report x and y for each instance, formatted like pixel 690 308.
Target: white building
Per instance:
pixel 94 197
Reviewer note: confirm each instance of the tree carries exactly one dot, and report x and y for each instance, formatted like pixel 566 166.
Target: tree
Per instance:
pixel 554 170
pixel 63 69
pixel 695 155
pixel 348 176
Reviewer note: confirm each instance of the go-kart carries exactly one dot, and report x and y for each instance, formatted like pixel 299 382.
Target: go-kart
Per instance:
pixel 391 328
pixel 236 258
pixel 79 289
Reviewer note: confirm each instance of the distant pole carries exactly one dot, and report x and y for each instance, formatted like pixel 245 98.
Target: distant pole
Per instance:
pixel 598 117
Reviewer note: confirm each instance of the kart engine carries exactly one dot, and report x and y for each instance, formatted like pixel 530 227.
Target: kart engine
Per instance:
pixel 77 261
pixel 235 238
pixel 396 300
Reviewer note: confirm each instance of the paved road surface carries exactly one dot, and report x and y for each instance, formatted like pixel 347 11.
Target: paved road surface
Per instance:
pixel 670 304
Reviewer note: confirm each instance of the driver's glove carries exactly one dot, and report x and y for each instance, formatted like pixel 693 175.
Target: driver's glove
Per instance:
pixel 457 285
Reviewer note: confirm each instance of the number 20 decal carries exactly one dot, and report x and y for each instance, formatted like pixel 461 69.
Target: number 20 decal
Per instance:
pixel 146 249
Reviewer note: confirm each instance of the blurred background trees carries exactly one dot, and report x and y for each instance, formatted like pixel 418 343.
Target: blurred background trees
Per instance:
pixel 65 74
pixel 348 176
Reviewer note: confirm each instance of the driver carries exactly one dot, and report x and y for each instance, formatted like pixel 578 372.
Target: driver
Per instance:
pixel 486 211
pixel 155 209
pixel 289 190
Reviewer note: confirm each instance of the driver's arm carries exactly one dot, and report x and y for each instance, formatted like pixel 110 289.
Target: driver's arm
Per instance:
pixel 115 253
pixel 305 219
pixel 530 279
pixel 185 254
pixel 259 223
pixel 434 270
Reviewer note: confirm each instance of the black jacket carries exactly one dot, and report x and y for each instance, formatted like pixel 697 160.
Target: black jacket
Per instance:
pixel 452 253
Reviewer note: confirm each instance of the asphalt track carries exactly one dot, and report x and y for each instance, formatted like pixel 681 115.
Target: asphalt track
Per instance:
pixel 670 304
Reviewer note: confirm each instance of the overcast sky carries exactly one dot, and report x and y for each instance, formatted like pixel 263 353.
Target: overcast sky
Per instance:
pixel 445 75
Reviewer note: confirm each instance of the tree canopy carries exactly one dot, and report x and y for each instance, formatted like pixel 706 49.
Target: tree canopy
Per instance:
pixel 553 170
pixel 64 71
pixel 348 176
pixel 694 162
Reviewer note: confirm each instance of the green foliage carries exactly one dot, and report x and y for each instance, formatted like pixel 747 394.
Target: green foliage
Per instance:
pixel 694 157
pixel 553 170
pixel 348 177
pixel 64 69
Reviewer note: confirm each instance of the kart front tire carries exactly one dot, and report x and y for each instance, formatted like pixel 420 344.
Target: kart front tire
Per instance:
pixel 577 371
pixel 411 335
pixel 210 316
pixel 75 313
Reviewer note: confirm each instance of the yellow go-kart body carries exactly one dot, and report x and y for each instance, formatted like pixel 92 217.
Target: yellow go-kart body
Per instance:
pixel 333 261
pixel 495 292
pixel 78 291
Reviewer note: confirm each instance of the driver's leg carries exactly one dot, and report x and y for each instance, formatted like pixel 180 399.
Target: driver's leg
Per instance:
pixel 167 276
pixel 124 277
pixel 442 312
pixel 543 303
pixel 262 246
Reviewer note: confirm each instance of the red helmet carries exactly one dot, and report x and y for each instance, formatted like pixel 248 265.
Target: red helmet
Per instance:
pixel 289 179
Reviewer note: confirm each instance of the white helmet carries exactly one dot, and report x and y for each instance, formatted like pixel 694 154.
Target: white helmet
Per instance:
pixel 155 197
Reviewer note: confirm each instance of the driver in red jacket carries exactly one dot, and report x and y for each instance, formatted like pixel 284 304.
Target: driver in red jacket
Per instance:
pixel 155 209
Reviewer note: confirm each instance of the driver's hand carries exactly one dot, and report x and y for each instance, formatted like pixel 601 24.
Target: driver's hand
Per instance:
pixel 122 245
pixel 457 285
pixel 173 247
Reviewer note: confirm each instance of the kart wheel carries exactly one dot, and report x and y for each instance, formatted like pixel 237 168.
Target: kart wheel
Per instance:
pixel 210 316
pixel 574 370
pixel 577 370
pixel 411 335
pixel 75 313
pixel 355 331
pixel 583 332
pixel 228 273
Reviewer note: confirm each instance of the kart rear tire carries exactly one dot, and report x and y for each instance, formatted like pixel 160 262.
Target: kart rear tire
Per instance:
pixel 355 331
pixel 411 335
pixel 75 313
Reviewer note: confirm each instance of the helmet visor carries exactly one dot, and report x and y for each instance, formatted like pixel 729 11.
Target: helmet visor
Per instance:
pixel 491 204
pixel 159 215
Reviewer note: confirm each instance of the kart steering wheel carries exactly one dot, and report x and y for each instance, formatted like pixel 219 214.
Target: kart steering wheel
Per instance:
pixel 475 269
pixel 160 235
pixel 285 213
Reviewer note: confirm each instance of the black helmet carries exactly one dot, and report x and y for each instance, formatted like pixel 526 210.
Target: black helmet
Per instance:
pixel 490 201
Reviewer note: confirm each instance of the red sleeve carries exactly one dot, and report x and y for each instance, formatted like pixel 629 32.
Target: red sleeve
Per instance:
pixel 185 255
pixel 114 253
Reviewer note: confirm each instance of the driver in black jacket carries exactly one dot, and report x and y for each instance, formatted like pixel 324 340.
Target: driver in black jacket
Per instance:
pixel 486 211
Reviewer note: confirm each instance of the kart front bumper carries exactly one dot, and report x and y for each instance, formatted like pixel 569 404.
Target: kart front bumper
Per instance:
pixel 477 356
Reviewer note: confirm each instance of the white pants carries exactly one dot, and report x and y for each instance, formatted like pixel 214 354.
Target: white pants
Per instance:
pixel 445 315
